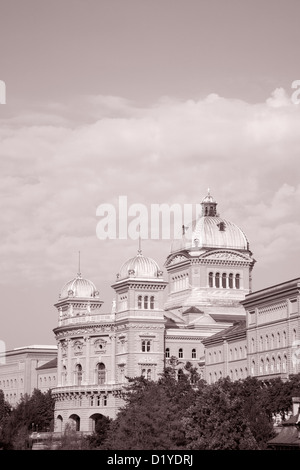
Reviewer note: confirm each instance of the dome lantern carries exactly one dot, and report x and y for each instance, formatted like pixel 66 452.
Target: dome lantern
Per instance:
pixel 209 206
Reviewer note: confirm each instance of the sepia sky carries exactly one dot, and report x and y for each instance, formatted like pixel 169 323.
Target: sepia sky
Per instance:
pixel 155 100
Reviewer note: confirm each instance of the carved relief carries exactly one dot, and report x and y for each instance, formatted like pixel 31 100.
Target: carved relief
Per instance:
pixel 78 347
pixel 100 346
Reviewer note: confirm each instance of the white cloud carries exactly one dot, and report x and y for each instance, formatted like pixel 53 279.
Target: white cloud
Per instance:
pixel 55 171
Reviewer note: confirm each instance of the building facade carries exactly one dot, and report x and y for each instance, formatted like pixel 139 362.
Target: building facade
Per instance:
pixel 269 338
pixel 209 273
pixel 19 373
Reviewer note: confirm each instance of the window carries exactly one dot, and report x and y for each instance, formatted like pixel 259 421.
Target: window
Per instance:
pixel 146 345
pixel 218 280
pixel 101 373
pixel 237 281
pixel 168 352
pixel 146 301
pixel 78 372
pixel 149 373
pixel 140 301
pixel 105 400
pixel 210 280
pixel 224 280
pixel 230 281
pixel 180 353
pixel 152 302
pixel 193 353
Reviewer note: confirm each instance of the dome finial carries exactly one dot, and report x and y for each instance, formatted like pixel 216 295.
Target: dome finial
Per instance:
pixel 79 273
pixel 140 240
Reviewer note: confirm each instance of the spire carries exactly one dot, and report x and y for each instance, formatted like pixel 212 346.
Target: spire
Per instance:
pixel 140 241
pixel 79 273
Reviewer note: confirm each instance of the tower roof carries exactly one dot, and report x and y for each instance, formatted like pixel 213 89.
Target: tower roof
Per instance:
pixel 139 266
pixel 79 287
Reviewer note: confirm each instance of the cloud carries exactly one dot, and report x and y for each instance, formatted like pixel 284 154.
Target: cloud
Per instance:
pixel 57 166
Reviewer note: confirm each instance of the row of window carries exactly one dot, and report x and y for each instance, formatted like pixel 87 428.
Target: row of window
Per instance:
pixel 146 302
pixel 234 354
pixel 235 374
pixel 180 353
pixel 224 280
pixel 272 341
pixel 270 365
pixel 12 383
pixel 100 374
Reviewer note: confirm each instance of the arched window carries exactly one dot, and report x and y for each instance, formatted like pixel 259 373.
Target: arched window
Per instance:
pixel 237 281
pixel 101 373
pixel 180 353
pixel 210 279
pixel 167 352
pixel 78 371
pixel 284 338
pixel 231 281
pixel 146 301
pixel 152 302
pixel 278 364
pixel 193 353
pixel 261 369
pixel 252 345
pixel 217 279
pixel 140 301
pixel 278 339
pixel 224 280
pixel 284 363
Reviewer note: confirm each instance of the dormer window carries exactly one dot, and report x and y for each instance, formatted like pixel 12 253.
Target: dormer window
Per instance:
pixel 221 226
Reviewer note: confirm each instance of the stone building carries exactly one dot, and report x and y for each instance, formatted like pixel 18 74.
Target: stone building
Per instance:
pixel 19 371
pixel 267 345
pixel 209 274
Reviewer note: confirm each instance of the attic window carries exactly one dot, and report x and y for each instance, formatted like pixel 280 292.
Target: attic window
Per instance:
pixel 221 226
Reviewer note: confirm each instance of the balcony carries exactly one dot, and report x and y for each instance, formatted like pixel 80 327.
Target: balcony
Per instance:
pixel 74 389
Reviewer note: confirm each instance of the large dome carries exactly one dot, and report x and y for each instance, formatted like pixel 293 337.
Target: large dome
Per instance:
pixel 140 267
pixel 79 287
pixel 210 231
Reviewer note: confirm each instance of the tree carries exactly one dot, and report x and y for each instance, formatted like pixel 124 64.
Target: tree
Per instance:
pixel 151 417
pixel 5 410
pixel 97 439
pixel 35 412
pixel 216 421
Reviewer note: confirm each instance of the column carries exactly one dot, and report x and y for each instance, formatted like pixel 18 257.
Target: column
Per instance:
pixel 59 357
pixel 69 366
pixel 87 360
pixel 113 358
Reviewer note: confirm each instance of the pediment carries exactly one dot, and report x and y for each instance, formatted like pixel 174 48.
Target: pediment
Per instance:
pixel 225 255
pixel 176 260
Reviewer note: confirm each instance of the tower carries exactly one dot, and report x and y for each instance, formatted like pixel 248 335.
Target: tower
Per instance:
pixel 139 318
pixel 86 383
pixel 210 266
